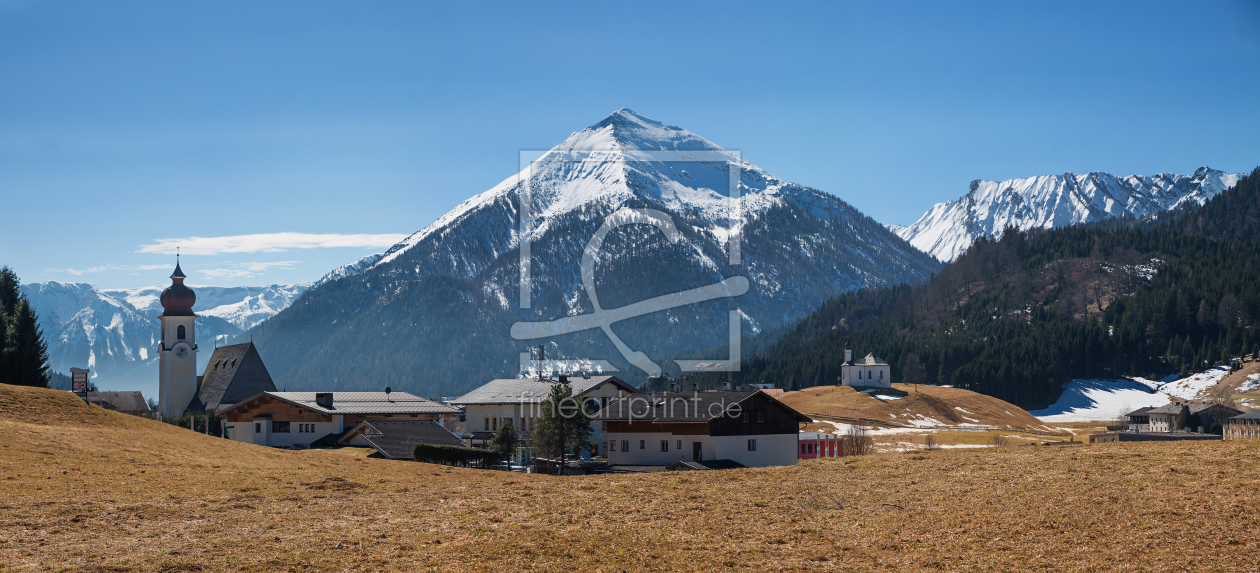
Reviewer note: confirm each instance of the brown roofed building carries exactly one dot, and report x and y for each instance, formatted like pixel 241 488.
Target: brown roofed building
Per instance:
pixel 748 428
pixel 288 419
pixel 396 439
pixel 126 402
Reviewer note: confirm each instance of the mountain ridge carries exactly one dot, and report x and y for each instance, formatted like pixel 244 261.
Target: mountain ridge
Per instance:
pixel 1051 201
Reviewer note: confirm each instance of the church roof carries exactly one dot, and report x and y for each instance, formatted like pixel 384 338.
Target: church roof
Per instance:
pixel 234 373
pixel 870 360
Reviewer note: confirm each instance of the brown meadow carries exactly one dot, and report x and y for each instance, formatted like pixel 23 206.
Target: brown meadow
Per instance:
pixel 83 489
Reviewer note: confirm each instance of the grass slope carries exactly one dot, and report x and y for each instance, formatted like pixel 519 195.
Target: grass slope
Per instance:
pixel 82 489
pixel 934 402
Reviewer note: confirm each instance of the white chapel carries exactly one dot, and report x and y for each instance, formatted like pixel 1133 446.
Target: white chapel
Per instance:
pixel 870 372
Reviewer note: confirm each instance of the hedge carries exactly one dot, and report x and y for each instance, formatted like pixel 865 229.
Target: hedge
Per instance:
pixel 454 455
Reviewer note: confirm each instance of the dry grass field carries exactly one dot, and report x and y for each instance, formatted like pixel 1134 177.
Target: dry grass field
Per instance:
pixel 82 489
pixel 936 402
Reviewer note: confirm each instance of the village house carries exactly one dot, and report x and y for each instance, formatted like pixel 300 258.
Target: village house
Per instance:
pixel 130 402
pixel 1139 420
pixel 296 419
pixel 746 427
pixel 1243 427
pixel 517 400
pixel 1167 418
pixel 396 439
pixel 869 372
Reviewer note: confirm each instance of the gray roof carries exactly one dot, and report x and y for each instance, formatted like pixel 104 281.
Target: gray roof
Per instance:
pixel 682 406
pixel 234 373
pixel 396 439
pixel 1195 408
pixel 1248 416
pixel 704 465
pixel 531 391
pixel 1141 411
pixel 132 401
pixel 366 403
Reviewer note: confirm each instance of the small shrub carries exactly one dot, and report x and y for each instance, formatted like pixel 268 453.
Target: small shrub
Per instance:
pixel 999 441
pixel 930 443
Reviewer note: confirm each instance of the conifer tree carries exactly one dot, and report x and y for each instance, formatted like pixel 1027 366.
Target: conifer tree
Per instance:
pixel 23 351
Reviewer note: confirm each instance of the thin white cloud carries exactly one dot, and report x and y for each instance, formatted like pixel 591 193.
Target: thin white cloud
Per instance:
pixel 98 269
pixel 243 270
pixel 268 243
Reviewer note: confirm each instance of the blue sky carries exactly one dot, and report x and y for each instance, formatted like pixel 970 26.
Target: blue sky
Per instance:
pixel 347 124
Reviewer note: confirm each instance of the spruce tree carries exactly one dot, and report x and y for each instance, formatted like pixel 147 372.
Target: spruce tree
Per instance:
pixel 23 351
pixel 1183 417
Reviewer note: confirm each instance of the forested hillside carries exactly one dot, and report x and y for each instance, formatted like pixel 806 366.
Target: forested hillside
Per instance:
pixel 1014 318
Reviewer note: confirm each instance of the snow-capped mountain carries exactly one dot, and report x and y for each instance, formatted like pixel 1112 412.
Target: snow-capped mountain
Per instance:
pixel 433 313
pixel 114 332
pixel 1050 201
pixel 350 269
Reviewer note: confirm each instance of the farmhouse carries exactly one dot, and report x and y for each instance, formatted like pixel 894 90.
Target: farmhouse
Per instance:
pixel 288 419
pixel 517 400
pixel 1243 427
pixel 1167 418
pixel 1140 419
pixel 126 402
pixel 394 439
pixel 749 428
pixel 870 372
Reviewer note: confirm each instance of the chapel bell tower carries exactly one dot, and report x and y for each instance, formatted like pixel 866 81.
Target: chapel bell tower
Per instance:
pixel 177 370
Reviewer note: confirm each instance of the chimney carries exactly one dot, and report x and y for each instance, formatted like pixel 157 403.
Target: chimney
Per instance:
pixel 324 400
pixel 695 387
pixel 564 378
pixel 726 386
pixel 675 387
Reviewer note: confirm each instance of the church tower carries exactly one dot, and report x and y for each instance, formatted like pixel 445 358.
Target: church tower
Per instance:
pixel 177 370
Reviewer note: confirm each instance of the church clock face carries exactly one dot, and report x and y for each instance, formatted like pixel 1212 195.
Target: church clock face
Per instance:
pixel 181 350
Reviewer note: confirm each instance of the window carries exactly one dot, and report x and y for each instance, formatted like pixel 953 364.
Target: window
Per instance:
pixel 678 446
pixel 642 444
pixel 761 417
pixel 752 445
pixel 664 445
pixel 603 402
pixel 612 445
pixel 280 427
pixel 257 427
pixel 859 374
pixel 745 417
pixel 179 332
pixel 625 445
pixel 486 425
pixel 495 421
pixel 802 448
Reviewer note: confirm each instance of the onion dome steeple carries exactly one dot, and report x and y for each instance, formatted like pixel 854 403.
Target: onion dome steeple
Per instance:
pixel 177 299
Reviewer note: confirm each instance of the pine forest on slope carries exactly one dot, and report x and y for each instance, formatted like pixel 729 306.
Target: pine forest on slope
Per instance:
pixel 1016 317
pixel 432 315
